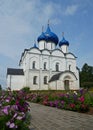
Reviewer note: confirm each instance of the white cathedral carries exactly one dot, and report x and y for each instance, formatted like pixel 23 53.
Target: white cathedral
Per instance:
pixel 46 66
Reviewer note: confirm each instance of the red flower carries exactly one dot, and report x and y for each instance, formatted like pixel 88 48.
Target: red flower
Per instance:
pixel 72 105
pixel 45 102
pixel 81 99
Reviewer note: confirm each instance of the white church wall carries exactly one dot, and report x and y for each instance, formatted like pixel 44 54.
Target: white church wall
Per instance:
pixel 59 60
pixel 64 48
pixel 8 81
pixel 44 86
pixel 52 85
pixel 56 85
pixel 41 45
pixel 53 46
pixel 49 45
pixel 25 62
pixel 35 50
pixel 70 55
pixel 78 80
pixel 30 80
pixel 60 85
pixel 45 52
pixel 57 52
pixel 32 59
pixel 45 59
pixel 71 65
pixel 15 82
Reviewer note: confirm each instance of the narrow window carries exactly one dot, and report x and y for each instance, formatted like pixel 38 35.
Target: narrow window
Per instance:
pixel 51 47
pixel 69 67
pixel 57 66
pixel 45 65
pixel 45 79
pixel 44 45
pixel 33 65
pixel 35 80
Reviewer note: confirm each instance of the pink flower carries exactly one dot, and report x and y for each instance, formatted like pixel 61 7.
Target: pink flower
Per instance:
pixel 15 107
pixel 19 118
pixel 7 100
pixel 62 102
pixel 81 99
pixel 6 109
pixel 15 115
pixel 12 125
pixel 8 123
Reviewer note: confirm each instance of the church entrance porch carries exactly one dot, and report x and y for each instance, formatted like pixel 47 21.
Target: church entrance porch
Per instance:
pixel 68 79
pixel 63 81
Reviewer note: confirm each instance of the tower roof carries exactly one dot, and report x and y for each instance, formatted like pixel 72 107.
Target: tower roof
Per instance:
pixel 41 37
pixel 48 36
pixel 63 42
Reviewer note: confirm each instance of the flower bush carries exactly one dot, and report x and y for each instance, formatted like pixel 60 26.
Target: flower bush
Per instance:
pixel 73 100
pixel 14 110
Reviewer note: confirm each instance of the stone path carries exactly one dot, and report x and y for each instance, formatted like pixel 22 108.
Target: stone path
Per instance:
pixel 49 118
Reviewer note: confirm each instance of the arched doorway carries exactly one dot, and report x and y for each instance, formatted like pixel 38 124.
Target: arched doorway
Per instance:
pixel 67 82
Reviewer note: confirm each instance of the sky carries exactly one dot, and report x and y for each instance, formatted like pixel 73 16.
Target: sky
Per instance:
pixel 21 23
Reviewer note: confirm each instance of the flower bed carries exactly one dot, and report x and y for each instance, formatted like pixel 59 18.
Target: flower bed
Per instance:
pixel 75 101
pixel 13 110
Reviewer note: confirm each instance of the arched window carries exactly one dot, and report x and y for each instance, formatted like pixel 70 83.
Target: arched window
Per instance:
pixel 35 80
pixel 45 65
pixel 33 65
pixel 57 66
pixel 45 79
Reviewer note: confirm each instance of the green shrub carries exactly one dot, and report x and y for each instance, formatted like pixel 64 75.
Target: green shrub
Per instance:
pixel 26 89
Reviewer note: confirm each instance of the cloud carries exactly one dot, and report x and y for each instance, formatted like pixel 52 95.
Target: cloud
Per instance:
pixel 71 10
pixel 20 23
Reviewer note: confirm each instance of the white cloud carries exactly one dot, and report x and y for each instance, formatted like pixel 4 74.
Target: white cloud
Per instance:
pixel 71 10
pixel 20 21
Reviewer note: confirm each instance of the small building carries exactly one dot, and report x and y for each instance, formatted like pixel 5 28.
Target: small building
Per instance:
pixel 47 65
pixel 15 78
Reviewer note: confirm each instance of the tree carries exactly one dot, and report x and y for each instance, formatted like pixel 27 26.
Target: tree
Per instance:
pixel 0 87
pixel 86 76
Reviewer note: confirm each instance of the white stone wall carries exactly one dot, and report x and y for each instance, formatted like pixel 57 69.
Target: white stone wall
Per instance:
pixel 30 80
pixel 56 56
pixel 51 60
pixel 64 48
pixel 78 81
pixel 41 44
pixel 61 61
pixel 15 82
pixel 46 45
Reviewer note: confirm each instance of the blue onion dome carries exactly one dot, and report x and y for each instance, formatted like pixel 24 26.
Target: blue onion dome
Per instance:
pixel 41 37
pixel 50 36
pixel 63 42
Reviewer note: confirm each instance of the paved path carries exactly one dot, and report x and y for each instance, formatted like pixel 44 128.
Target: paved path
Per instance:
pixel 49 118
